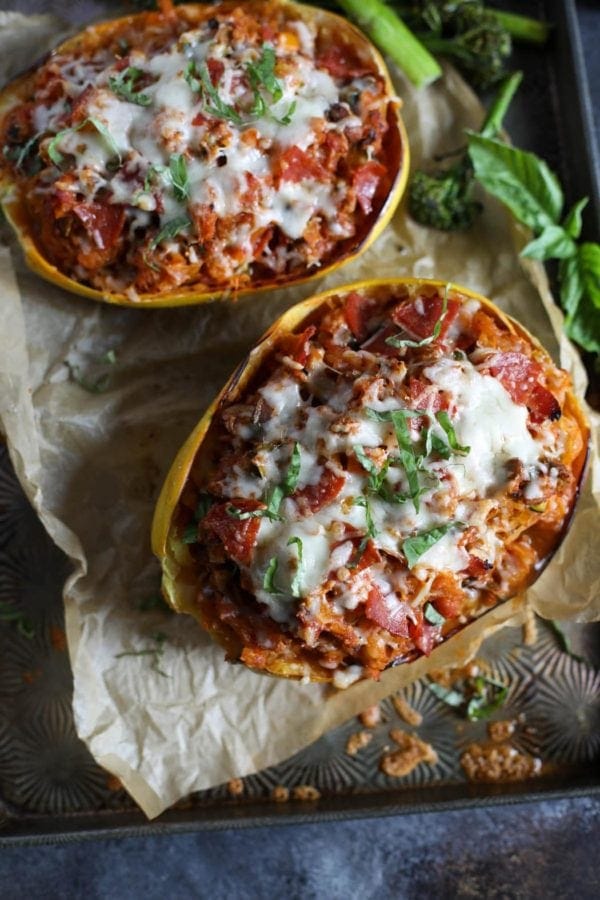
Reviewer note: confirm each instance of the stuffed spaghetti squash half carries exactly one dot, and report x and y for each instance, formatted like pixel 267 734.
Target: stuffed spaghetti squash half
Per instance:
pixel 392 460
pixel 170 157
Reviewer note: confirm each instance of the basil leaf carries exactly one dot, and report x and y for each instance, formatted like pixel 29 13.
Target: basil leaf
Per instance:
pixel 432 615
pixel 219 108
pixel 434 443
pixel 488 697
pixel 293 473
pixel 414 547
pixel 552 243
pixel 444 420
pixel 395 341
pixel 170 230
pixel 407 455
pixel 573 223
pixel 589 266
pixel 364 502
pixel 273 502
pixel 295 586
pixel 57 157
pixel 386 416
pixel 123 85
pixel 520 180
pixel 179 176
pixel 571 284
pixel 376 476
pixel 450 696
pixel 202 507
pixel 287 118
pixel 268 580
pixel 262 73
pixel 18 154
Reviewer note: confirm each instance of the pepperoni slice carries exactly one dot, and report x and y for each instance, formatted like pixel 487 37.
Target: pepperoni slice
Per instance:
pixel 314 497
pixel 419 317
pixel 103 222
pixel 295 165
pixel 365 182
pixel 520 375
pixel 391 614
pixel 238 536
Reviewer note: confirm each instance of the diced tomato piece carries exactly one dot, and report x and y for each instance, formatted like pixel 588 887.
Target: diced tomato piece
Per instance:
pixel 419 317
pixel 339 61
pixel 446 595
pixel 199 119
pixel 103 222
pixel 422 635
pixel 238 536
pixel 215 70
pixel 314 497
pixel 356 309
pixel 295 164
pixel 365 182
pixel 519 376
pixel 390 614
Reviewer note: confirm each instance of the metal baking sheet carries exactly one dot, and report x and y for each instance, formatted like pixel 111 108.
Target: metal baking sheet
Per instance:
pixel 52 790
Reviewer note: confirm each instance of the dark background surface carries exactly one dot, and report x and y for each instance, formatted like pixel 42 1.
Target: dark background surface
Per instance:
pixel 531 850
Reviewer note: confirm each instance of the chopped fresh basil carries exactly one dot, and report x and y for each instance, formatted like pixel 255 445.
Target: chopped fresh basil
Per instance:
pixel 487 696
pixel 202 507
pixel 287 118
pixel 170 230
pixel 296 584
pixel 23 625
pixel 262 73
pixel 376 476
pixel 200 82
pixel 444 420
pixel 432 615
pixel 395 341
pixel 179 176
pixel 293 473
pixel 57 157
pixel 273 500
pixel 371 528
pixel 123 85
pixel 476 698
pixel 414 547
pixel 18 154
pixel 434 443
pixel 407 458
pixel 269 578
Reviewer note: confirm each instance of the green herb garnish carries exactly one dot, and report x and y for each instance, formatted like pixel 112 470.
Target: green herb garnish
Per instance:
pixel 200 82
pixel 170 230
pixel 269 577
pixel 19 154
pixel 395 341
pixel 477 697
pixel 414 547
pixel 179 176
pixel 444 420
pixel 123 85
pixel 190 533
pixel 262 73
pixel 376 476
pixel 295 586
pixel 57 157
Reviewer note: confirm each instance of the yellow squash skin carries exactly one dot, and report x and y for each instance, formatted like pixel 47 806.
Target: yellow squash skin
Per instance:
pixel 179 578
pixel 17 217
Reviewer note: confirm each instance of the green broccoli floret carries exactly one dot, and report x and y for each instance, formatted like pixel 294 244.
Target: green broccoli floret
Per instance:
pixel 442 198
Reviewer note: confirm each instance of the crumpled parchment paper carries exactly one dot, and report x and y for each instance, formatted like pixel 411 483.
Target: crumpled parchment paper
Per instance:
pixel 178 718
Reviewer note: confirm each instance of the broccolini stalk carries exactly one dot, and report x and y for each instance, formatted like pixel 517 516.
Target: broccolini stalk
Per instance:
pixel 522 28
pixel 392 36
pixel 443 199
